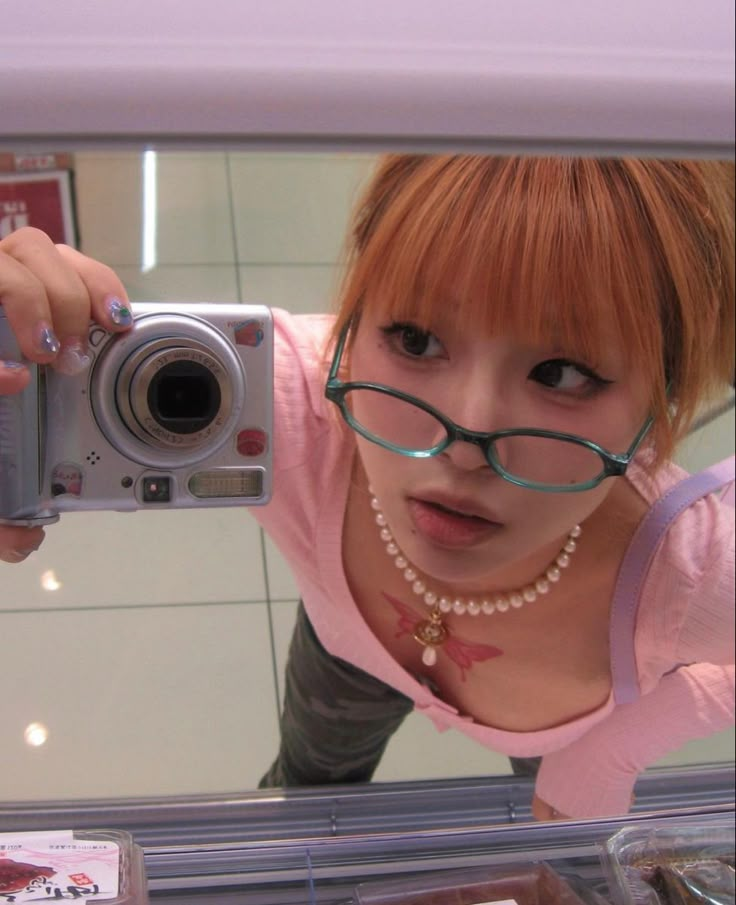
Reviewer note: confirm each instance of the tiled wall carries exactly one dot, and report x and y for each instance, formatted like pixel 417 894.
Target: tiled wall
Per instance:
pixel 152 645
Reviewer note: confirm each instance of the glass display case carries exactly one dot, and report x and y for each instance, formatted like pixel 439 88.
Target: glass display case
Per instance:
pixel 214 151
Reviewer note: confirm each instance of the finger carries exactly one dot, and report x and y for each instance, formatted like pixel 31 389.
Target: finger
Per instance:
pixel 108 299
pixel 543 811
pixel 44 299
pixel 26 307
pixel 14 377
pixel 540 809
pixel 18 543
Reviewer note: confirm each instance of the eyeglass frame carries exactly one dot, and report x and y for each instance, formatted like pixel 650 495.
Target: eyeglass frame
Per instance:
pixel 614 464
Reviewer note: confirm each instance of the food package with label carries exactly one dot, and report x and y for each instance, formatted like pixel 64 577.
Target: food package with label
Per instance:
pixel 525 884
pixel 102 867
pixel 673 864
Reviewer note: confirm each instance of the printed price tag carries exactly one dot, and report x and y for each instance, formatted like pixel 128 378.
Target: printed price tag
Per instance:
pixel 57 867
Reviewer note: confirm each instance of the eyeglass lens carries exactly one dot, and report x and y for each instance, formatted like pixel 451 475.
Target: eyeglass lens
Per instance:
pixel 410 429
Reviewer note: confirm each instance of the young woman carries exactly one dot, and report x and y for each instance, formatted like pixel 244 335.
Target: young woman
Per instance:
pixel 472 479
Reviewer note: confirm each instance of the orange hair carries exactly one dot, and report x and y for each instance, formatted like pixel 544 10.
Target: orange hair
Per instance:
pixel 573 248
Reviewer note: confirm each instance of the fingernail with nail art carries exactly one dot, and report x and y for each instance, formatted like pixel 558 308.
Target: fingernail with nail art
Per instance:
pixel 12 365
pixel 120 313
pixel 47 343
pixel 72 359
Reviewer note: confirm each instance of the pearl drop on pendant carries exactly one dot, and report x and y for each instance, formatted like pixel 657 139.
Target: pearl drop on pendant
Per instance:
pixel 429 655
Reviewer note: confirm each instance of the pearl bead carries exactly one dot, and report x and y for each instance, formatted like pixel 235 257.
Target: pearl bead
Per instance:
pixel 500 603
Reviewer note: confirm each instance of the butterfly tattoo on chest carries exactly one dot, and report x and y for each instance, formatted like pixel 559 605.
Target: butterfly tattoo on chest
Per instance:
pixel 435 635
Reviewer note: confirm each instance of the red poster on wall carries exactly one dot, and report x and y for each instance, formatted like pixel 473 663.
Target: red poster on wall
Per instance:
pixel 42 199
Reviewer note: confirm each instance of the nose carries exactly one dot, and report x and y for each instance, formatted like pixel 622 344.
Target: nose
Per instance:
pixel 478 406
pixel 465 456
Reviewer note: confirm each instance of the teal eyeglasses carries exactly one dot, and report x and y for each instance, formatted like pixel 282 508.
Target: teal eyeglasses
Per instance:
pixel 544 460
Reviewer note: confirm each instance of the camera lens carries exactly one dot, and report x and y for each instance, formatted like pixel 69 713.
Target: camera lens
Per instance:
pixel 184 397
pixel 170 391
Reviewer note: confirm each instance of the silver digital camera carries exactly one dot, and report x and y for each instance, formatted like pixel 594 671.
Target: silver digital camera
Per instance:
pixel 177 412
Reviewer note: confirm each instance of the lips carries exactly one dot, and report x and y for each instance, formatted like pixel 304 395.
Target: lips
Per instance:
pixel 451 522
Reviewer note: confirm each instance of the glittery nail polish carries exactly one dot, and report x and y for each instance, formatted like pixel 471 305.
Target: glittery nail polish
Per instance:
pixel 12 365
pixel 120 313
pixel 47 343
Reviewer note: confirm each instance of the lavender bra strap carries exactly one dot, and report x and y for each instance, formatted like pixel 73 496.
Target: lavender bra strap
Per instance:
pixel 635 566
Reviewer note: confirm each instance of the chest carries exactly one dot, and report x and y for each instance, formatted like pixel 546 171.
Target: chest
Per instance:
pixel 527 669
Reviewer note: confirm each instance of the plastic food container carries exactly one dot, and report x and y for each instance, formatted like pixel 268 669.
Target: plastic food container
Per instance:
pixel 526 884
pixel 672 865
pixel 104 867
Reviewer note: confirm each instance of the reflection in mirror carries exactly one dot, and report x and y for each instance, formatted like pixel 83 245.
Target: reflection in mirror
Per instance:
pixel 146 652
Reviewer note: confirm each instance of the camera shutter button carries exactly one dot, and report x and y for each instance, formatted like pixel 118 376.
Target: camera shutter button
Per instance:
pixel 96 336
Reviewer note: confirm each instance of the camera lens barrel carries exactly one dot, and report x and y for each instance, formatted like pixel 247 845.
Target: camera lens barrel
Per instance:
pixel 169 392
pixel 173 395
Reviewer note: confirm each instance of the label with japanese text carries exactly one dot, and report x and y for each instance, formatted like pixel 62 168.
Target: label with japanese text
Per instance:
pixel 57 867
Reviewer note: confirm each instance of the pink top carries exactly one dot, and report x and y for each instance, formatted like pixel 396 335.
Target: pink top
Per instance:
pixel 685 612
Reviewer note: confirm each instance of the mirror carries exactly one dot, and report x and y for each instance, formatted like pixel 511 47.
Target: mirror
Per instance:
pixel 144 653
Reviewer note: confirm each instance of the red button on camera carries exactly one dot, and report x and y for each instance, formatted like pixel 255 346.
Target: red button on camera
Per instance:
pixel 252 442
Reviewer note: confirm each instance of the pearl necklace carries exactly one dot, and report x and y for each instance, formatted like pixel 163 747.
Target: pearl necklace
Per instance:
pixel 433 632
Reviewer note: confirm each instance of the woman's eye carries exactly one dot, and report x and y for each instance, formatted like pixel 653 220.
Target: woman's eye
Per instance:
pixel 561 374
pixel 413 341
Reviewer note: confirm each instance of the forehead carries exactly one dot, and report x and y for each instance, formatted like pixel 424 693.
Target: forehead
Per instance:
pixel 535 320
pixel 547 251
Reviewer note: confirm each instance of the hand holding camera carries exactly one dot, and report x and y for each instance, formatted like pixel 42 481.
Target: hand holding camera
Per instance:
pixel 104 405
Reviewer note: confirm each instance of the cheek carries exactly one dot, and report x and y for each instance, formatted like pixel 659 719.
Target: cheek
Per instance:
pixel 544 517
